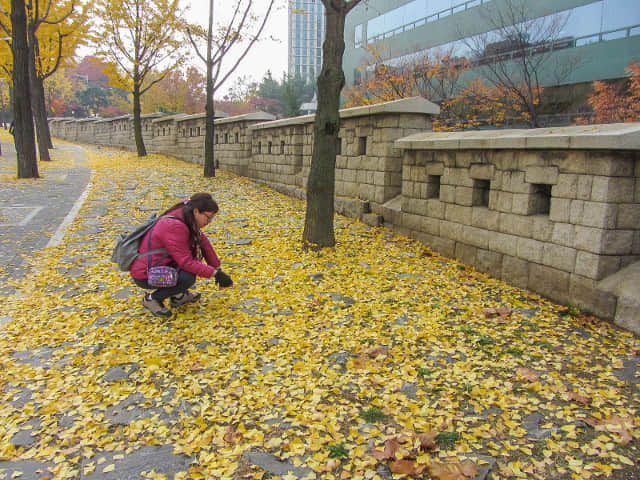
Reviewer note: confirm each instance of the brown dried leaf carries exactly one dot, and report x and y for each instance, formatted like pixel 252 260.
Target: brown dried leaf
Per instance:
pixel 584 399
pixel 232 436
pixel 528 374
pixel 616 424
pixel 427 440
pixel 391 446
pixel 407 467
pixel 453 471
pixel 502 312
pixel 378 351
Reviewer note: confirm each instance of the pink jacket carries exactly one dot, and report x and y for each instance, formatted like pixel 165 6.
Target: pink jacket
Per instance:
pixel 173 234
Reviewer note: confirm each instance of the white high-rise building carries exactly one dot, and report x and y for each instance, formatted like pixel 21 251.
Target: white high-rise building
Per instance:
pixel 307 24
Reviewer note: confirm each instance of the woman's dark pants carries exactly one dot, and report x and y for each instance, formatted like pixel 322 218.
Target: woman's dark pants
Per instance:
pixel 185 281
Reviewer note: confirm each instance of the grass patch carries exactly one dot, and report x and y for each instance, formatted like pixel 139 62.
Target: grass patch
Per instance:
pixel 338 451
pixel 374 415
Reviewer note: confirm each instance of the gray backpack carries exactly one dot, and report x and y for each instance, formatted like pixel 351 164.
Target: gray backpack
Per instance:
pixel 128 244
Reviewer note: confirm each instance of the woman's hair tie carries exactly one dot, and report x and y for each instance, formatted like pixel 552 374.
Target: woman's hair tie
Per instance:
pixel 186 200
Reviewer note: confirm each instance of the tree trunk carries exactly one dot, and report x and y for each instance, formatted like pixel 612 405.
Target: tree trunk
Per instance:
pixel 209 157
pixel 37 107
pixel 40 110
pixel 24 137
pixel 318 227
pixel 37 96
pixel 137 121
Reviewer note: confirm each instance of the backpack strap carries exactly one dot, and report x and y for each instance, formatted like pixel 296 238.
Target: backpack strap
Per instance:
pixel 148 253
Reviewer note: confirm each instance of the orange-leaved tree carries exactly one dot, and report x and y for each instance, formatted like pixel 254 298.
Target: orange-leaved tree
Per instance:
pixel 435 76
pixel 613 103
pixel 478 104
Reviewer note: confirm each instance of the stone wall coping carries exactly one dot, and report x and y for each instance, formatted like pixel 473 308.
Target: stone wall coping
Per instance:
pixel 614 136
pixel 404 105
pixel 183 117
pixel 169 118
pixel 247 117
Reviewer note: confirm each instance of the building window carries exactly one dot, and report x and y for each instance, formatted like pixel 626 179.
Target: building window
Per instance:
pixel 480 194
pixel 339 147
pixel 226 138
pixel 540 199
pixel 362 146
pixel 269 147
pixel 216 139
pixel 237 137
pixel 433 186
pixel 282 147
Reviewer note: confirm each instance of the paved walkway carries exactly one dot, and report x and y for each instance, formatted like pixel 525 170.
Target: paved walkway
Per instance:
pixel 33 211
pixel 313 366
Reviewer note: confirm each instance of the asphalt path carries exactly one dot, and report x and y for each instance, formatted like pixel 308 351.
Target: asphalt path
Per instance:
pixel 35 211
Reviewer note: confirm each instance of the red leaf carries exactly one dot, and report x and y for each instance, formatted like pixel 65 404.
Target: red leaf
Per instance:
pixel 407 467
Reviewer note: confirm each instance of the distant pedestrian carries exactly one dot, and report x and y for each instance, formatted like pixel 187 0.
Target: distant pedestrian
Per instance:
pixel 183 246
pixel 12 127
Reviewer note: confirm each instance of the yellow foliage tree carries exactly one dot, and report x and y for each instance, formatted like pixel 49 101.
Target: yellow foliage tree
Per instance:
pixel 140 40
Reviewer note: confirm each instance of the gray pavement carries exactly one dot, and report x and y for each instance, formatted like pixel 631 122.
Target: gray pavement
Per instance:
pixel 34 210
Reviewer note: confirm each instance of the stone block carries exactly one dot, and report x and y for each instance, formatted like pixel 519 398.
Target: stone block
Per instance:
pixel 504 159
pixel 617 242
pixel 564 234
pixel 596 267
pixel 585 183
pixel 503 243
pixel 550 282
pixel 557 256
pixel 485 218
pixel 435 208
pixel 627 314
pixel 588 239
pixel 576 212
pixel 516 225
pixel 628 216
pixel 529 249
pixel 458 214
pixel 448 193
pixel 451 230
pixel 542 228
pixel 434 168
pixel 584 293
pixel 501 201
pixel 612 189
pixel 609 164
pixel 482 171
pixel 514 182
pixel 635 247
pixel 413 205
pixel 477 237
pixel 600 215
pixel 515 271
pixel 466 253
pixel 567 186
pixel 521 204
pixel 540 174
pixel 464 196
pixel 489 262
pixel 560 209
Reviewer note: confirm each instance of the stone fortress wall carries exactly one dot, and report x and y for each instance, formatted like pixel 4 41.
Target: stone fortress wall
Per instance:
pixel 555 211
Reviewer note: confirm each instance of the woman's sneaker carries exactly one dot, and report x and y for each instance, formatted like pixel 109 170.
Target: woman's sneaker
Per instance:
pixel 156 307
pixel 183 298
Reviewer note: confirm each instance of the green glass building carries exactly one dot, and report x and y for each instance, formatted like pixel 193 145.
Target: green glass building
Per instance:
pixel 597 39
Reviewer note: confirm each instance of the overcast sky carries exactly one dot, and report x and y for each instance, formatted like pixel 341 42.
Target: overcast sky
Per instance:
pixel 264 56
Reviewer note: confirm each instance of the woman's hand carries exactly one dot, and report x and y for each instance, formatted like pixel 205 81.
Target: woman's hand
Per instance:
pixel 222 279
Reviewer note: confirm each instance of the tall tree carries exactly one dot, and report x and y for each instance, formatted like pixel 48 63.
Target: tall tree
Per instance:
pixel 518 49
pixel 24 136
pixel 236 35
pixel 318 225
pixel 141 39
pixel 44 62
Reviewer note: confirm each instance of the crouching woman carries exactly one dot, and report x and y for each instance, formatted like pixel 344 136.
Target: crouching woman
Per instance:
pixel 181 244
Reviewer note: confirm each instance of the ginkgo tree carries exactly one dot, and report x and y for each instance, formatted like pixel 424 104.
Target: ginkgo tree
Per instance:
pixel 141 40
pixel 318 225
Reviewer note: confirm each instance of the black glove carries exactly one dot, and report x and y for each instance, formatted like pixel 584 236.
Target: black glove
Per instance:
pixel 223 279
